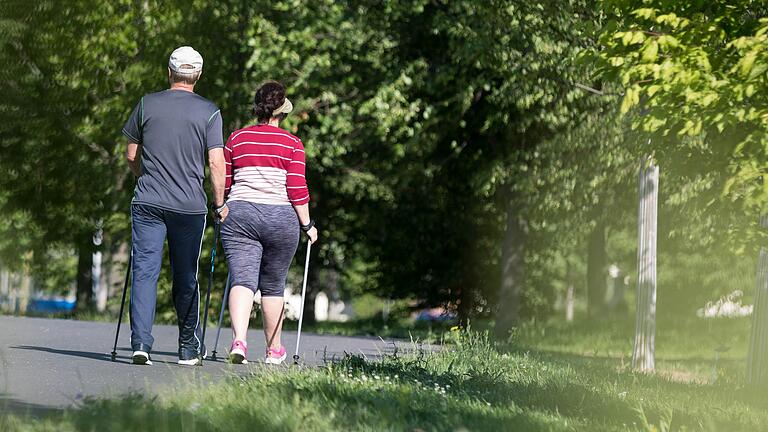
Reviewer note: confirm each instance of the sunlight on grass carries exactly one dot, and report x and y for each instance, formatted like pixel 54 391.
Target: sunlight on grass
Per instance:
pixel 471 384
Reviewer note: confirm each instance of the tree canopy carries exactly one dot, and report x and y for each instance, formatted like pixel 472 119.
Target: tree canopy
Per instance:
pixel 459 153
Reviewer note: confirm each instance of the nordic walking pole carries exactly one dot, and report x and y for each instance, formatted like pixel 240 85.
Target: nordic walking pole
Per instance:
pixel 216 228
pixel 122 304
pixel 221 318
pixel 301 311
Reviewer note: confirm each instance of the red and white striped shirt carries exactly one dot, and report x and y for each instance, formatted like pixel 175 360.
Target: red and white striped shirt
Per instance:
pixel 265 165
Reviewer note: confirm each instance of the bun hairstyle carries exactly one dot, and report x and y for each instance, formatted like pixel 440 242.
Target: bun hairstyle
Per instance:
pixel 269 97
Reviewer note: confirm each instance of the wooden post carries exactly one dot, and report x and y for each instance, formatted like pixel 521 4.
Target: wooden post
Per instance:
pixel 757 359
pixel 645 322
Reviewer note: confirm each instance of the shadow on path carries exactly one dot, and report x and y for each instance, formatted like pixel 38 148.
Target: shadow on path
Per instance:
pixel 89 354
pixel 9 405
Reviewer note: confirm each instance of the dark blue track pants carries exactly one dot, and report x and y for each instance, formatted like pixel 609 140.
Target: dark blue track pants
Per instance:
pixel 150 227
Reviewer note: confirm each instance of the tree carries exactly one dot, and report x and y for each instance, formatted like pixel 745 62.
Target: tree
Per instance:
pixel 75 71
pixel 696 71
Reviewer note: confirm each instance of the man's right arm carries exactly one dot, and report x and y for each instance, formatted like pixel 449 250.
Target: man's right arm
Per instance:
pixel 133 155
pixel 132 131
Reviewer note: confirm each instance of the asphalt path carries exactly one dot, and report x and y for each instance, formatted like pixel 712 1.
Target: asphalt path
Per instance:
pixel 49 364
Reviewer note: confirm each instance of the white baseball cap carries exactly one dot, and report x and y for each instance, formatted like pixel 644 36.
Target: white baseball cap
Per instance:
pixel 185 60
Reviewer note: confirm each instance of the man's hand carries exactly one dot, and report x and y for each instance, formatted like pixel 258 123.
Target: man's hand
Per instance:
pixel 223 214
pixel 220 213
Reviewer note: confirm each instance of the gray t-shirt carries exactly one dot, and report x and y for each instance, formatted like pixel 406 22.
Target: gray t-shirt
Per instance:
pixel 175 129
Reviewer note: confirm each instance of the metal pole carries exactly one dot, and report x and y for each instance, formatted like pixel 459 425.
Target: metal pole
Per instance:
pixel 301 310
pixel 221 317
pixel 217 226
pixel 122 303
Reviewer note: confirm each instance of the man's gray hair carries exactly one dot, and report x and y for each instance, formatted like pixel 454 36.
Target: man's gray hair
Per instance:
pixel 186 78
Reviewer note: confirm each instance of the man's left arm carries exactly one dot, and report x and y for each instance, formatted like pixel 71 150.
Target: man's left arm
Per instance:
pixel 218 167
pixel 216 161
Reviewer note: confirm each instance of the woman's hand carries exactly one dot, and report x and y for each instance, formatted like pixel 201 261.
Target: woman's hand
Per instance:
pixel 312 234
pixel 223 214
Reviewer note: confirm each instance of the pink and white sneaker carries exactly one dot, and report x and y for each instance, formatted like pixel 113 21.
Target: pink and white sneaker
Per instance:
pixel 238 353
pixel 275 356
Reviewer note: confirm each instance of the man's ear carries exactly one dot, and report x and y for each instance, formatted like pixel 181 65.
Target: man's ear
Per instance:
pixel 169 73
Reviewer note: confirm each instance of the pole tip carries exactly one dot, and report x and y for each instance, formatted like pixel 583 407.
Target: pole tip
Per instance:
pixel 296 359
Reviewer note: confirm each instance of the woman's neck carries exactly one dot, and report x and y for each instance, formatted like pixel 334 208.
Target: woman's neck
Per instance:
pixel 272 122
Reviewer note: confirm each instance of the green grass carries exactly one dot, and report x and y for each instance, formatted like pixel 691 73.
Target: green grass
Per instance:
pixel 552 378
pixel 684 349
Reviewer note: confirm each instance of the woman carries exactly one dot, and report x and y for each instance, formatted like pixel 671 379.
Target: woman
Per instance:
pixel 267 203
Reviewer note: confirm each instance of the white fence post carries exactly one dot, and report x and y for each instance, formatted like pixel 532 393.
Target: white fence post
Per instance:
pixel 645 322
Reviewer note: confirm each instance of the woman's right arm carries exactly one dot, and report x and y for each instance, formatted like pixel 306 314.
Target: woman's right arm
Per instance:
pixel 302 211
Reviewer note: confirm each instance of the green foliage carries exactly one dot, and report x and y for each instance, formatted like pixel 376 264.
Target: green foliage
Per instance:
pixel 407 114
pixel 425 123
pixel 696 72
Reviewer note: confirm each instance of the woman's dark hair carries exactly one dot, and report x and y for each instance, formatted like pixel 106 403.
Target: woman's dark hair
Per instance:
pixel 269 97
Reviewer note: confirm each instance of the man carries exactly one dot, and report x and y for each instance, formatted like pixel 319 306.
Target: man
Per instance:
pixel 169 133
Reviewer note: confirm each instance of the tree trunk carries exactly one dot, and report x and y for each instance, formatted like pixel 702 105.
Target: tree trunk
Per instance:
pixel 512 271
pixel 596 265
pixel 645 323
pixel 5 288
pixel 25 292
pixel 84 294
pixel 465 304
pixel 569 293
pixel 757 360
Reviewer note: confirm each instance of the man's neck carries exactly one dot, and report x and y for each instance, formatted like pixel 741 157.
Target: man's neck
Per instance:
pixel 181 86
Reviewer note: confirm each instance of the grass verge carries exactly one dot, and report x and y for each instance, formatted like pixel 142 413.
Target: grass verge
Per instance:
pixel 473 385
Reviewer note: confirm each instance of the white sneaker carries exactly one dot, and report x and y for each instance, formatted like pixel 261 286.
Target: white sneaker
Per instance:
pixel 193 361
pixel 141 358
pixel 190 362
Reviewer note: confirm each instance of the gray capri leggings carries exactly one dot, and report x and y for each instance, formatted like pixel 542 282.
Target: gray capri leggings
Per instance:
pixel 259 242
